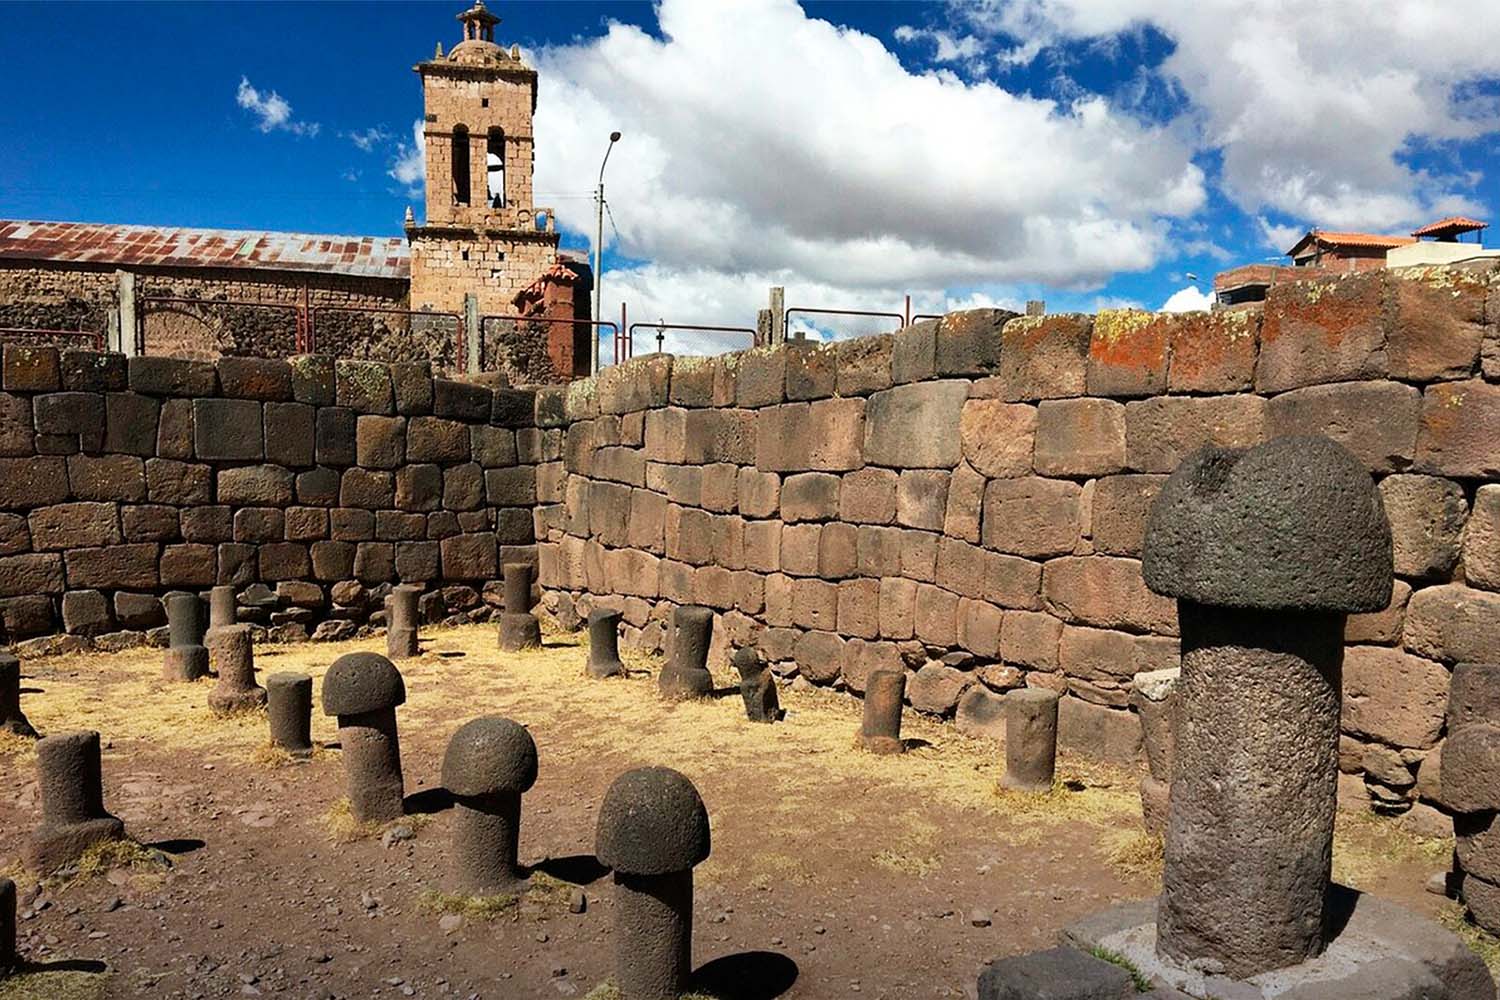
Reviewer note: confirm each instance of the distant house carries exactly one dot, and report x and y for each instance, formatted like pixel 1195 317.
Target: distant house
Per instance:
pixel 1330 252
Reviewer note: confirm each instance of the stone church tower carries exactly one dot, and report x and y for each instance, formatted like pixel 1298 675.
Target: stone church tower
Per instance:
pixel 481 233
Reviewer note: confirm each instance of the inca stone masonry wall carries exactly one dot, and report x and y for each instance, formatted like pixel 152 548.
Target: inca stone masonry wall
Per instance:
pixel 310 484
pixel 966 498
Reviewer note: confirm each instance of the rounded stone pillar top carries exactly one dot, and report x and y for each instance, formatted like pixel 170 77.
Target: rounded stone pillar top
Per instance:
pixel 1294 524
pixel 489 756
pixel 362 682
pixel 652 822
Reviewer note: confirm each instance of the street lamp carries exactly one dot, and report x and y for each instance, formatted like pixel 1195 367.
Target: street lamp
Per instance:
pixel 614 137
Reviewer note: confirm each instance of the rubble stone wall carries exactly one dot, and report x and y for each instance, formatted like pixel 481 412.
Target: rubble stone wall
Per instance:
pixel 310 484
pixel 966 498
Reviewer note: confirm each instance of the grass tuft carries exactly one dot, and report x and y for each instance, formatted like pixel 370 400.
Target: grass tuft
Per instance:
pixel 1142 984
pixel 470 907
pixel 1135 853
pixel 343 828
pixel 20 749
pixel 108 855
pixel 1480 941
pixel 908 864
pixel 1365 845
pixel 59 984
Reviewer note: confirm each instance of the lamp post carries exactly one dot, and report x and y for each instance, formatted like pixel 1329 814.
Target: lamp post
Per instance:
pixel 614 137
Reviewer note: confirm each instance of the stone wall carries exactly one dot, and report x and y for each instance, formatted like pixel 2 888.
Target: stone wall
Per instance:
pixel 310 484
pixel 56 298
pixel 967 498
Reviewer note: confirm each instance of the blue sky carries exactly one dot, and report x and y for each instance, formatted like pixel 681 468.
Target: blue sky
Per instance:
pixel 1089 152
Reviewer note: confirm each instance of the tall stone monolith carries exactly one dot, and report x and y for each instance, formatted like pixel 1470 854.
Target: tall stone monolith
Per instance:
pixel 1266 550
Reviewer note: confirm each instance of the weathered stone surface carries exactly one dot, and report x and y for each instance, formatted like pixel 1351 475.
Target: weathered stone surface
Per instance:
pixel 1438 325
pixel 1327 330
pixel 180 483
pixel 997 437
pixel 106 477
pixel 1393 697
pixel 1470 777
pixel 1031 517
pixel 1098 732
pixel 864 365
pixel 638 384
pixel 819 656
pixel 1128 352
pixel 824 436
pixel 380 442
pixel 1213 352
pixel 860 659
pixel 1291 524
pixel 364 386
pixel 158 376
pixel 1427 523
pixel 260 485
pixel 30 368
pixel 130 423
pixel 113 567
pixel 936 688
pixel 1460 425
pixel 810 496
pixel 73 525
pixel 1030 639
pixel 32 482
pixel 1107 592
pixel 1079 437
pixel 864 497
pixel 915 426
pixel 1343 412
pixel 1056 974
pixel 1161 432
pixel 1118 514
pixel 228 430
pixel 334 436
pixel 1044 357
pixel 1481 539
pixel 1474 694
pixel 313 380
pixel 1380 627
pixel 290 433
pixel 436 439
pixel 810 370
pixel 469 557
pixel 935 618
pixel 1453 622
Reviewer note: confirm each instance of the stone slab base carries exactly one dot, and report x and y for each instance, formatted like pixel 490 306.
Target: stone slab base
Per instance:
pixel 1380 952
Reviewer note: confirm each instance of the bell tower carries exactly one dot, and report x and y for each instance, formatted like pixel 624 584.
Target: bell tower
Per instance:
pixel 481 234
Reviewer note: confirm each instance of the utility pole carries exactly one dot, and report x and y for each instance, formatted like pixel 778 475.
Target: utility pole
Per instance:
pixel 614 137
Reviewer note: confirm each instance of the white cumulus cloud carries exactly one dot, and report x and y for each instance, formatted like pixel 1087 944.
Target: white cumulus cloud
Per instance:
pixel 409 168
pixel 770 145
pixel 1316 108
pixel 1187 299
pixel 272 111
pixel 367 139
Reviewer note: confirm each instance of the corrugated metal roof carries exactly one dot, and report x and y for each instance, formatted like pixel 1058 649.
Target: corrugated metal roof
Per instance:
pixel 1453 224
pixel 174 246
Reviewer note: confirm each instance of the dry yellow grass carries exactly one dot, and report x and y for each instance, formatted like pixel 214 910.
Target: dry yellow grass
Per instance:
pixel 1480 941
pixel 1365 844
pixel 1135 853
pixel 44 984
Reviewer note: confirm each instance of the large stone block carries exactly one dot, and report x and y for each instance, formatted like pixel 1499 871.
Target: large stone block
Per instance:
pixel 514 487
pixel 380 442
pixel 228 430
pixel 935 617
pixel 1031 516
pixel 130 421
pixel 913 352
pixel 411 387
pixel 1470 779
pixel 318 487
pixel 1098 732
pixel 437 439
pixel 979 627
pixel 1030 639
pixel 513 407
pixel 811 370
pixel 1325 330
pixel 469 557
pixel 1105 591
pixel 692 381
pixel 32 482
pixel 916 426
pixel 1096 655
pixel 466 401
pixel 334 436
pixel 255 485
pixel 824 436
pixel 188 565
pixel 1427 523
pixel 371 490
pixel 997 438
pixel 491 447
pixel 17 434
pixel 313 379
pixel 922 498
pixel 1056 974
pixel 158 376
pixel 968 342
pixel 420 487
pixel 1079 437
pixel 290 433
pixel 73 525
pixel 113 567
pixel 1161 432
pixel 1214 352
pixel 32 573
pixel 819 656
pixel 761 377
pixel 463 487
pixel 864 365
pixel 1119 511
pixel 93 371
pixel 815 604
pixel 1453 623
pixel 255 378
pixel 1439 323
pixel 1128 352
pixel 1393 697
pixel 936 688
pixel 638 384
pixel 1380 627
pixel 30 368
pixel 14 535
pixel 76 416
pixel 1377 421
pixel 859 608
pixel 965 503
pixel 364 386
pixel 106 477
pixel 180 483
pixel 1044 357
pixel 864 497
pixel 1481 540
pixel 1460 430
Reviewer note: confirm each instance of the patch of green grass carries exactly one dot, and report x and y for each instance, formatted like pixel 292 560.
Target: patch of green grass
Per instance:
pixel 1142 984
pixel 472 907
pixel 1480 941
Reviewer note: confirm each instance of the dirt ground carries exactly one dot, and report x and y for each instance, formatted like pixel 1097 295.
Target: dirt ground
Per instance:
pixel 833 873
